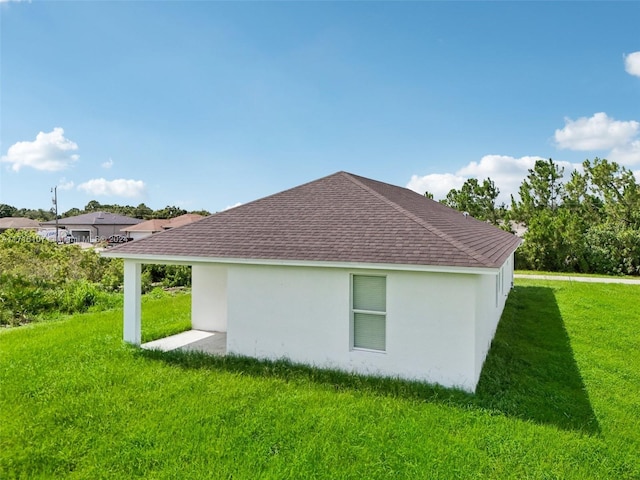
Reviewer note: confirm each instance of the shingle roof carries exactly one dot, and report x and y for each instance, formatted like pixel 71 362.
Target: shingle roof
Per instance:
pixel 96 218
pixel 153 226
pixel 18 222
pixel 339 218
pixel 159 224
pixel 182 220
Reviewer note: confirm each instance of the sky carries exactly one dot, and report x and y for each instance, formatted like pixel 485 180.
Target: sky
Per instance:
pixel 207 105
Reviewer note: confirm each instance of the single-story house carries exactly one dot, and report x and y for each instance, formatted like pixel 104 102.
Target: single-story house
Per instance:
pixel 94 226
pixel 18 223
pixel 145 229
pixel 343 272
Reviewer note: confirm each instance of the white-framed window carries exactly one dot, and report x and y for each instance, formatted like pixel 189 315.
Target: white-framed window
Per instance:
pixel 369 312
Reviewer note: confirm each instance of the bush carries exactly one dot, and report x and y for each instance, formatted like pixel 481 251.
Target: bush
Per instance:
pixel 614 249
pixel 22 300
pixel 39 277
pixel 77 296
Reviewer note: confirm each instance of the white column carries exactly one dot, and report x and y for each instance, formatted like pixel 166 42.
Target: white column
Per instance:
pixel 131 331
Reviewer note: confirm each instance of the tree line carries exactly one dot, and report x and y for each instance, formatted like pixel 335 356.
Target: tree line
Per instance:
pixel 589 223
pixel 141 211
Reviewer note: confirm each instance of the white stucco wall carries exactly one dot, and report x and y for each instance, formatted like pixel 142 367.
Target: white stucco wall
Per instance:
pixel 304 314
pixel 209 297
pixel 491 296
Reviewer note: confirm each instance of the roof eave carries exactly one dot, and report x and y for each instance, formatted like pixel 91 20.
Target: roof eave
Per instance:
pixel 190 260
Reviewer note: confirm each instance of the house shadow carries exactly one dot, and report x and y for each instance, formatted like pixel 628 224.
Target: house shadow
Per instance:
pixel 530 372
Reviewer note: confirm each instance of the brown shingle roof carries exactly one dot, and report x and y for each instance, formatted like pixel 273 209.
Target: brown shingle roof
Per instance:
pixel 18 222
pixel 159 224
pixel 339 218
pixel 182 220
pixel 153 226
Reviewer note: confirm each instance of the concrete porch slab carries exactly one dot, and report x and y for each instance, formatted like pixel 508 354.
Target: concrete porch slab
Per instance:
pixel 214 343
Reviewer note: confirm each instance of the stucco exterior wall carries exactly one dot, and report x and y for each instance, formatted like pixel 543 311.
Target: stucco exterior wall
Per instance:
pixel 491 296
pixel 304 314
pixel 209 297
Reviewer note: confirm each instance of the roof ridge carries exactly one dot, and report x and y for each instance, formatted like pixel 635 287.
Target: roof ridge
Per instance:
pixel 435 230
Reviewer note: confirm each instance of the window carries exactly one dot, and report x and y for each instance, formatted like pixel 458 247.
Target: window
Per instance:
pixel 369 309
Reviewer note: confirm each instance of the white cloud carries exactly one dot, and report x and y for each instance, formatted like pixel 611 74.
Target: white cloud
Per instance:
pixel 233 206
pixel 598 132
pixel 438 184
pixel 632 64
pixel 627 154
pixel 63 184
pixel 119 187
pixel 50 152
pixel 108 164
pixel 506 172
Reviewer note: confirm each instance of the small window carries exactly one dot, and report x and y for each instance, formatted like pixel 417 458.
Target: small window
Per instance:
pixel 369 309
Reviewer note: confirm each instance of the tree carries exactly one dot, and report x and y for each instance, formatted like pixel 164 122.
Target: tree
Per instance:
pixel 142 211
pixel 7 210
pixel 39 214
pixel 93 206
pixel 542 189
pixel 204 213
pixel 72 212
pixel 479 200
pixel 617 188
pixel 169 212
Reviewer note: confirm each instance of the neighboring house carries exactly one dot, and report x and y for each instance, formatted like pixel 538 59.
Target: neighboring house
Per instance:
pixel 150 227
pixel 143 229
pixel 18 223
pixel 343 272
pixel 94 226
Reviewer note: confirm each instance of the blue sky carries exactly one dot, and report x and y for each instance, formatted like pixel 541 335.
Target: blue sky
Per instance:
pixel 206 105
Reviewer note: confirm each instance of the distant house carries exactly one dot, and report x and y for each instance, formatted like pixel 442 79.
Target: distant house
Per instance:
pixel 18 223
pixel 343 272
pixel 94 226
pixel 144 229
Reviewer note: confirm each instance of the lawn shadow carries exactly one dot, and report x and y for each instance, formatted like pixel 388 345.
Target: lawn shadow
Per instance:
pixel 530 372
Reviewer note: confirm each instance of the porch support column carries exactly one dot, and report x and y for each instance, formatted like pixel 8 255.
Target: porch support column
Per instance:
pixel 132 289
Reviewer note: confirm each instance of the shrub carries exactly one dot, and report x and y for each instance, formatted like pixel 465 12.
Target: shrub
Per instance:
pixel 614 249
pixel 77 296
pixel 21 300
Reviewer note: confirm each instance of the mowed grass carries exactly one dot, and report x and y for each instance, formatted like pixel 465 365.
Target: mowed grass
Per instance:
pixel 558 398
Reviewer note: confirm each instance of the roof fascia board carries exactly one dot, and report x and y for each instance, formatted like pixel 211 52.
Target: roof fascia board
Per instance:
pixel 189 260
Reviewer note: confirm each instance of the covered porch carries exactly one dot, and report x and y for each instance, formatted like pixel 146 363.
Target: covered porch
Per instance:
pixel 208 310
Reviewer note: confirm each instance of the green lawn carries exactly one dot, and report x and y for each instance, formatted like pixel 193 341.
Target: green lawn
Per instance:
pixel 572 274
pixel 558 398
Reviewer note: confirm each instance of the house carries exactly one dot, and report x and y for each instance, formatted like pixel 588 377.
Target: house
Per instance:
pixel 343 272
pixel 145 229
pixel 18 223
pixel 94 226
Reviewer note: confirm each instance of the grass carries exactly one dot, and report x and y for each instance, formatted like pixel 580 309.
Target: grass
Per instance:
pixel 572 274
pixel 557 399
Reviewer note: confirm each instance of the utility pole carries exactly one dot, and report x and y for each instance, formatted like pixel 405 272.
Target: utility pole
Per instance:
pixel 54 190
